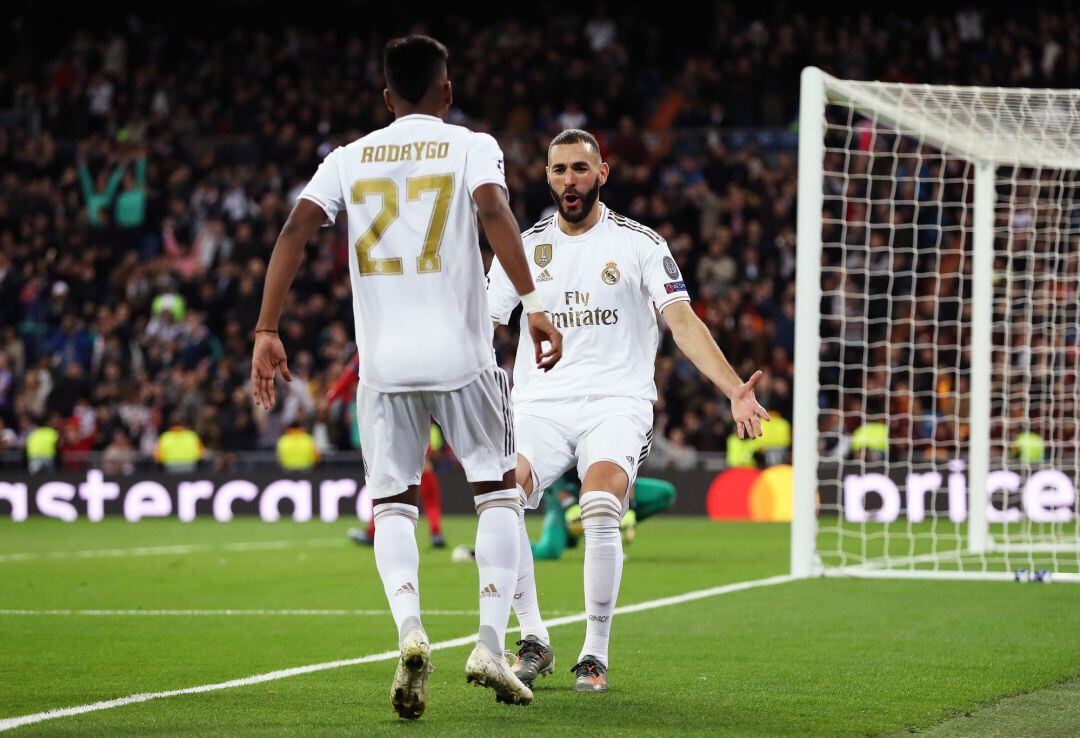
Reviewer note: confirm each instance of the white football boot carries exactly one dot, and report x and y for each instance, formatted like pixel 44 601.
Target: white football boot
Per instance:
pixel 490 670
pixel 408 693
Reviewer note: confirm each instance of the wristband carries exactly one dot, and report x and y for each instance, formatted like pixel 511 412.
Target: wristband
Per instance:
pixel 531 303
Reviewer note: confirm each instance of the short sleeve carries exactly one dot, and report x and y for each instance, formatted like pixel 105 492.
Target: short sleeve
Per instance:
pixel 484 163
pixel 661 276
pixel 502 296
pixel 324 189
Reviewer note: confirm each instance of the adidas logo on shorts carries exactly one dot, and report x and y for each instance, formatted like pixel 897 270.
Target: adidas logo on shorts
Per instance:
pixel 406 588
pixel 490 591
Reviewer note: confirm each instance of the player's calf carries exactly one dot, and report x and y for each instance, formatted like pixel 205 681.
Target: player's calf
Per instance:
pixel 600 516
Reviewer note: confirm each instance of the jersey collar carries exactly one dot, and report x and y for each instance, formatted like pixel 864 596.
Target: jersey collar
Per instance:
pixel 587 234
pixel 418 116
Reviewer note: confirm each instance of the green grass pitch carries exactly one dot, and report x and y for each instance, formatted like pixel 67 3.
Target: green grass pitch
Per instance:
pixel 818 657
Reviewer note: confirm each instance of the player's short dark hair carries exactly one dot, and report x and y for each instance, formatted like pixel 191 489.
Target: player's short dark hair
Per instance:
pixel 411 65
pixel 573 136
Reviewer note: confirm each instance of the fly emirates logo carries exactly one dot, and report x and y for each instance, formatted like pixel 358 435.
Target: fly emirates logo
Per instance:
pixel 579 313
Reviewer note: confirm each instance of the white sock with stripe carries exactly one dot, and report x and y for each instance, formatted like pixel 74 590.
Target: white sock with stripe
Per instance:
pixel 526 604
pixel 398 562
pixel 600 515
pixel 497 561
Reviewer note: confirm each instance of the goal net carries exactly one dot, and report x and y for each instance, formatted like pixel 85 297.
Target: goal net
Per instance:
pixel 938 338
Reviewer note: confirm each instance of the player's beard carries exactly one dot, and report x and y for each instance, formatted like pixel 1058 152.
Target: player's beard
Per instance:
pixel 587 202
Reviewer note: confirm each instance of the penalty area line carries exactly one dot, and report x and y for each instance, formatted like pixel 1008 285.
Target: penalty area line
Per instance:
pixel 19 721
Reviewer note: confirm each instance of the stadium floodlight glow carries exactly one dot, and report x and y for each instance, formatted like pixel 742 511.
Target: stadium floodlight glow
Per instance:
pixel 937 382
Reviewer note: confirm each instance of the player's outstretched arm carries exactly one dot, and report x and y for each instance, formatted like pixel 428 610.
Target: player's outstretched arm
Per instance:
pixel 502 233
pixel 697 343
pixel 269 354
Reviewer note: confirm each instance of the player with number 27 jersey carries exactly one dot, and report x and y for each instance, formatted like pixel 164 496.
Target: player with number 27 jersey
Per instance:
pixel 407 190
pixel 413 192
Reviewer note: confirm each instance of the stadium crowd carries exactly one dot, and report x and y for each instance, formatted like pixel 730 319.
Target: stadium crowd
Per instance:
pixel 146 173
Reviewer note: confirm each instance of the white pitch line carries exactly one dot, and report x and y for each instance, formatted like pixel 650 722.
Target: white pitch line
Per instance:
pixel 228 613
pixel 106 553
pixel 15 722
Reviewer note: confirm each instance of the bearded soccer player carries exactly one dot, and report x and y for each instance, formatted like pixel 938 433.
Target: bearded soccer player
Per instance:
pixel 599 275
pixel 412 192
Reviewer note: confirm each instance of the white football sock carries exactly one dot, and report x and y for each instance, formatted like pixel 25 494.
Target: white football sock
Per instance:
pixel 526 604
pixel 497 562
pixel 398 562
pixel 600 515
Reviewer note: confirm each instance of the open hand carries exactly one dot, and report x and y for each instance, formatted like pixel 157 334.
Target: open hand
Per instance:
pixel 267 358
pixel 745 409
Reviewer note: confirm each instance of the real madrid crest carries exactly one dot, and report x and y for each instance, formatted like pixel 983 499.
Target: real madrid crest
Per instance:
pixel 542 254
pixel 610 275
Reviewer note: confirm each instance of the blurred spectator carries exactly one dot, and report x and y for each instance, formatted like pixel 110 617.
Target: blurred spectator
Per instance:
pixel 98 193
pixel 296 448
pixel 42 445
pixel 871 441
pixel 120 456
pixel 744 452
pixel 131 202
pixel 179 449
pixel 776 439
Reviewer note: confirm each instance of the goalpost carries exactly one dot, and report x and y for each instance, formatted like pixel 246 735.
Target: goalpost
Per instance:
pixel 938 335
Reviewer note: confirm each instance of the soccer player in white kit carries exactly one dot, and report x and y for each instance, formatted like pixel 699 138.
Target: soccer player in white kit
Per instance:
pixel 599 276
pixel 412 192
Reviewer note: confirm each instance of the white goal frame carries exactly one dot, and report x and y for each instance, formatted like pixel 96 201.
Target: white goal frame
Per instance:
pixel 985 152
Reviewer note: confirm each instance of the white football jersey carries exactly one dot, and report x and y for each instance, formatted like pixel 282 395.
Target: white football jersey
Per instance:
pixel 420 307
pixel 599 289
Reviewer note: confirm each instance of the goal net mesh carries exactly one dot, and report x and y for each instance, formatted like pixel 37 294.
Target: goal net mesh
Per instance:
pixel 896 356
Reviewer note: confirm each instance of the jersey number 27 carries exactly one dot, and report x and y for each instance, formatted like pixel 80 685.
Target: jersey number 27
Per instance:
pixel 429 261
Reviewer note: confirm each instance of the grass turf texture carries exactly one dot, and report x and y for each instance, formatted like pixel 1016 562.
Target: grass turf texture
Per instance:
pixel 827 657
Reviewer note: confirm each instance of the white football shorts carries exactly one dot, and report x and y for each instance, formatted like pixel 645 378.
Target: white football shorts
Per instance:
pixel 395 429
pixel 552 434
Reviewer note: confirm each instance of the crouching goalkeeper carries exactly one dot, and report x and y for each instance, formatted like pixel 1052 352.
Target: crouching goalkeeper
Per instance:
pixel 562 514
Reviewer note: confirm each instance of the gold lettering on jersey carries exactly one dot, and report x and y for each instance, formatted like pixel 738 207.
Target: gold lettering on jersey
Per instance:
pixel 412 151
pixel 572 318
pixel 443 186
pixel 542 254
pixel 387 192
pixel 577 298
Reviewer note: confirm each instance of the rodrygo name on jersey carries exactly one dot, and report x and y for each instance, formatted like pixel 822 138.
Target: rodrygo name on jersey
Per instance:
pixel 420 308
pixel 599 289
